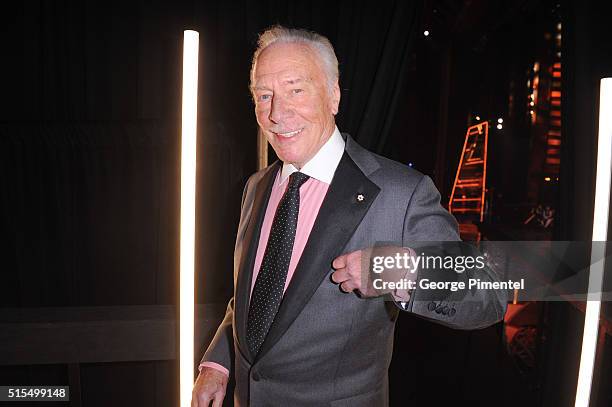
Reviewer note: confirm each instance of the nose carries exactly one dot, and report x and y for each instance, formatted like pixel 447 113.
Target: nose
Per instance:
pixel 279 110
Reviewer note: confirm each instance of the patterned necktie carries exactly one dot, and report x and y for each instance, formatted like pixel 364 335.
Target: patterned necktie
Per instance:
pixel 270 283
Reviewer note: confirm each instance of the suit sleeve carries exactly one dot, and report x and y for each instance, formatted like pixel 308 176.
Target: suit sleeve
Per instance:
pixel 221 348
pixel 427 221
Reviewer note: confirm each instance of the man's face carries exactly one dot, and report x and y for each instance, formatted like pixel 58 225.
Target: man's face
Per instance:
pixel 293 103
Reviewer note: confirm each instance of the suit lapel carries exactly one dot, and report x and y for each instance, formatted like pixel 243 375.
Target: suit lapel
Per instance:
pixel 340 214
pixel 263 190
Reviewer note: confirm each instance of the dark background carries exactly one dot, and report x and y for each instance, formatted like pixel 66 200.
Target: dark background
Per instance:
pixel 89 161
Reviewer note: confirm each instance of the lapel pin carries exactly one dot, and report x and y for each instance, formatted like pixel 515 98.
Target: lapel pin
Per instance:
pixel 360 197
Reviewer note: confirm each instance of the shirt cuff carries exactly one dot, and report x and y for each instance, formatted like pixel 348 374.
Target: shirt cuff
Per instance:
pixel 401 297
pixel 215 366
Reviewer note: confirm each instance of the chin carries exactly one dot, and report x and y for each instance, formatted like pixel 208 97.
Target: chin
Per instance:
pixel 288 154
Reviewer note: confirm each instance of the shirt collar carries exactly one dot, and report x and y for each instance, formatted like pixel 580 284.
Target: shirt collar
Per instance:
pixel 324 163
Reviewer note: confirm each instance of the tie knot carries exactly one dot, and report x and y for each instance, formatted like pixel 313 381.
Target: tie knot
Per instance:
pixel 297 179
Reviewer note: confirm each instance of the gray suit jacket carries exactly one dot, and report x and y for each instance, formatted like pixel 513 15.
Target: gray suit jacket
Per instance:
pixel 325 347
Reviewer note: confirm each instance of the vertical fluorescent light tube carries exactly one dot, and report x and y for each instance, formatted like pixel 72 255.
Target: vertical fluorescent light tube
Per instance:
pixel 600 234
pixel 187 245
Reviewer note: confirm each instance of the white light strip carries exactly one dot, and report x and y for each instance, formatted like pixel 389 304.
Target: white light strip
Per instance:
pixel 187 249
pixel 600 234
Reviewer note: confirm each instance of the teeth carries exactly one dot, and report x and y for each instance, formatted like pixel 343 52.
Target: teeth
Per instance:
pixel 289 134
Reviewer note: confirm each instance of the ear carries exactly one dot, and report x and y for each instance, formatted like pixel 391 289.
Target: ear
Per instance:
pixel 335 98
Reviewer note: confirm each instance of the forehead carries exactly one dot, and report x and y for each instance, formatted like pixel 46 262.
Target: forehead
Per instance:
pixel 286 60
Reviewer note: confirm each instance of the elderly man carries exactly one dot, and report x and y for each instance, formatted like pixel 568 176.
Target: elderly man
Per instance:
pixel 302 329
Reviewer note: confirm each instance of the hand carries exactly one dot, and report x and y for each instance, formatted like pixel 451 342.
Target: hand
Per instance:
pixel 354 272
pixel 348 272
pixel 209 386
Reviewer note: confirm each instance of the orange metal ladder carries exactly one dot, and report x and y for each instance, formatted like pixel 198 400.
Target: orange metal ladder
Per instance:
pixel 467 201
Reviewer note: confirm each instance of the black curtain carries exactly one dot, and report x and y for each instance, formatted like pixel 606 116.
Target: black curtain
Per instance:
pixel 375 44
pixel 89 210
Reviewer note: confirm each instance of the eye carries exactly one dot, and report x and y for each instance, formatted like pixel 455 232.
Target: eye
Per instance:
pixel 296 91
pixel 264 98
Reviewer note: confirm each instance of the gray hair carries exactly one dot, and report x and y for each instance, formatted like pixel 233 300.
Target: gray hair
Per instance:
pixel 318 43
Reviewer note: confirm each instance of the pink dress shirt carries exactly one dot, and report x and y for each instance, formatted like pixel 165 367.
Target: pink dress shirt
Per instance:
pixel 312 193
pixel 320 169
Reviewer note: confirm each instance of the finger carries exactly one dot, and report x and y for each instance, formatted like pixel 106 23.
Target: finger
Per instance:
pixel 347 286
pixel 340 276
pixel 339 262
pixel 218 400
pixel 204 400
pixel 352 284
pixel 197 401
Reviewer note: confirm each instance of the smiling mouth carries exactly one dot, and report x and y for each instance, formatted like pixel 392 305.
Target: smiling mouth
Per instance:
pixel 289 134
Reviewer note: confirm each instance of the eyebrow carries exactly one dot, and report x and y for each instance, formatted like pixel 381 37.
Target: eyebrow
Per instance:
pixel 290 81
pixel 255 88
pixel 293 81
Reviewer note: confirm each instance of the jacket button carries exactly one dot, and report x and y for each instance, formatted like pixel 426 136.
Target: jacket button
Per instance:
pixel 256 377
